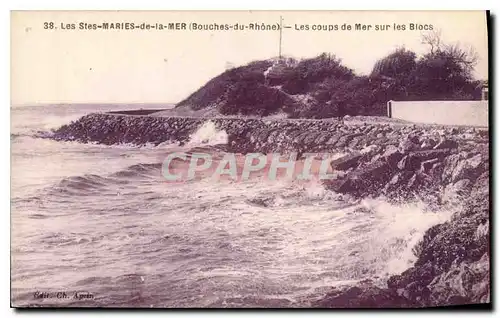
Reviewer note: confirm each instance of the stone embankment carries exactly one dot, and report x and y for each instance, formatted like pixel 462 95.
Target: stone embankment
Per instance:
pixel 250 135
pixel 453 258
pixel 440 165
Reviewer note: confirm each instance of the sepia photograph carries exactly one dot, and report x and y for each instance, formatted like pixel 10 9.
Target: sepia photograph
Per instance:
pixel 250 159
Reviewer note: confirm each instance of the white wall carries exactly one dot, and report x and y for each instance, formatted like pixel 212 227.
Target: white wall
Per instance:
pixel 471 113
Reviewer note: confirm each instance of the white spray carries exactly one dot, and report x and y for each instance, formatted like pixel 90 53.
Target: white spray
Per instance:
pixel 208 135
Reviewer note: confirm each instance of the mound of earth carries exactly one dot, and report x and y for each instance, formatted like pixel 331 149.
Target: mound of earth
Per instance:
pixel 299 89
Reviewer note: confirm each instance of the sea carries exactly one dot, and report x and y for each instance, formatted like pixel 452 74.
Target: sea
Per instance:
pixel 99 226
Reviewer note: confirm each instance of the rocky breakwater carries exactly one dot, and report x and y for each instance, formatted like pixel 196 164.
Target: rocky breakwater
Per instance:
pixel 443 166
pixel 244 134
pixel 248 134
pixel 447 169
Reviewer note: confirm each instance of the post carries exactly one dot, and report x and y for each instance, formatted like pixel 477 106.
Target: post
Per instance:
pixel 281 32
pixel 389 109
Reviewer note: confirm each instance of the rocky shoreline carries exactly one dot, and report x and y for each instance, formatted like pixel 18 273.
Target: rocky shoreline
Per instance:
pixel 442 165
pixel 453 258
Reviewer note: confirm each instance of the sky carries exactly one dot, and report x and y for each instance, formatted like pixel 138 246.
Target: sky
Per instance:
pixel 67 65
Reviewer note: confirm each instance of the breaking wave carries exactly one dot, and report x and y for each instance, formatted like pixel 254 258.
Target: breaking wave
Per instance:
pixel 259 242
pixel 208 134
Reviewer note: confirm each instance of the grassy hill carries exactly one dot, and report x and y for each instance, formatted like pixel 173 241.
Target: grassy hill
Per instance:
pixel 321 87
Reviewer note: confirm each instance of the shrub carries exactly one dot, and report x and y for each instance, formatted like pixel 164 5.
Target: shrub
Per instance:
pixel 211 92
pixel 322 87
pixel 309 72
pixel 397 65
pixel 252 98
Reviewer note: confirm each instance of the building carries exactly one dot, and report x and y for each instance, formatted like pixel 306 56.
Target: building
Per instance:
pixel 441 112
pixel 484 91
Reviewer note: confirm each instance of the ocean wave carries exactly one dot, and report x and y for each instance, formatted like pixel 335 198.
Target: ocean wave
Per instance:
pixel 90 184
pixel 15 136
pixel 86 182
pixel 208 134
pixel 279 227
pixel 138 170
pixel 367 238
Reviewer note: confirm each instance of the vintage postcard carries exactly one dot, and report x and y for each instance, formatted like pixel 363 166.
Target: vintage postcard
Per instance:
pixel 250 159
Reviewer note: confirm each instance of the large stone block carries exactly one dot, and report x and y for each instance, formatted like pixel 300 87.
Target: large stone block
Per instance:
pixel 413 160
pixel 364 181
pixel 346 162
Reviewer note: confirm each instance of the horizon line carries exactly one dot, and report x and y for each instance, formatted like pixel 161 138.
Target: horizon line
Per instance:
pixel 89 103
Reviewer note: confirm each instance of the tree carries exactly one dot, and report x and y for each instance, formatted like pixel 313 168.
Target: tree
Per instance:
pixel 392 74
pixel 446 72
pixel 464 56
pixel 308 72
pixel 433 39
pixel 396 65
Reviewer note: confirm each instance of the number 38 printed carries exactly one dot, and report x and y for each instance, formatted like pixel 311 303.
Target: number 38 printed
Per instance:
pixel 48 25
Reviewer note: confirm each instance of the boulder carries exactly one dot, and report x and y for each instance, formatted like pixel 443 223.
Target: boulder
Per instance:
pixel 392 155
pixel 365 181
pixel 408 145
pixel 311 138
pixel 446 144
pixel 449 165
pixel 453 192
pixel 428 144
pixel 397 184
pixel 414 182
pixel 427 165
pixel 344 140
pixel 273 136
pixel 355 142
pixel 467 168
pixel 323 137
pixel 346 162
pixel 413 160
pixel 403 164
pixel 300 138
pixel 367 129
pixel 366 295
pixel 333 139
pixel 430 154
pixel 412 284
pixel 464 283
pixel 371 150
